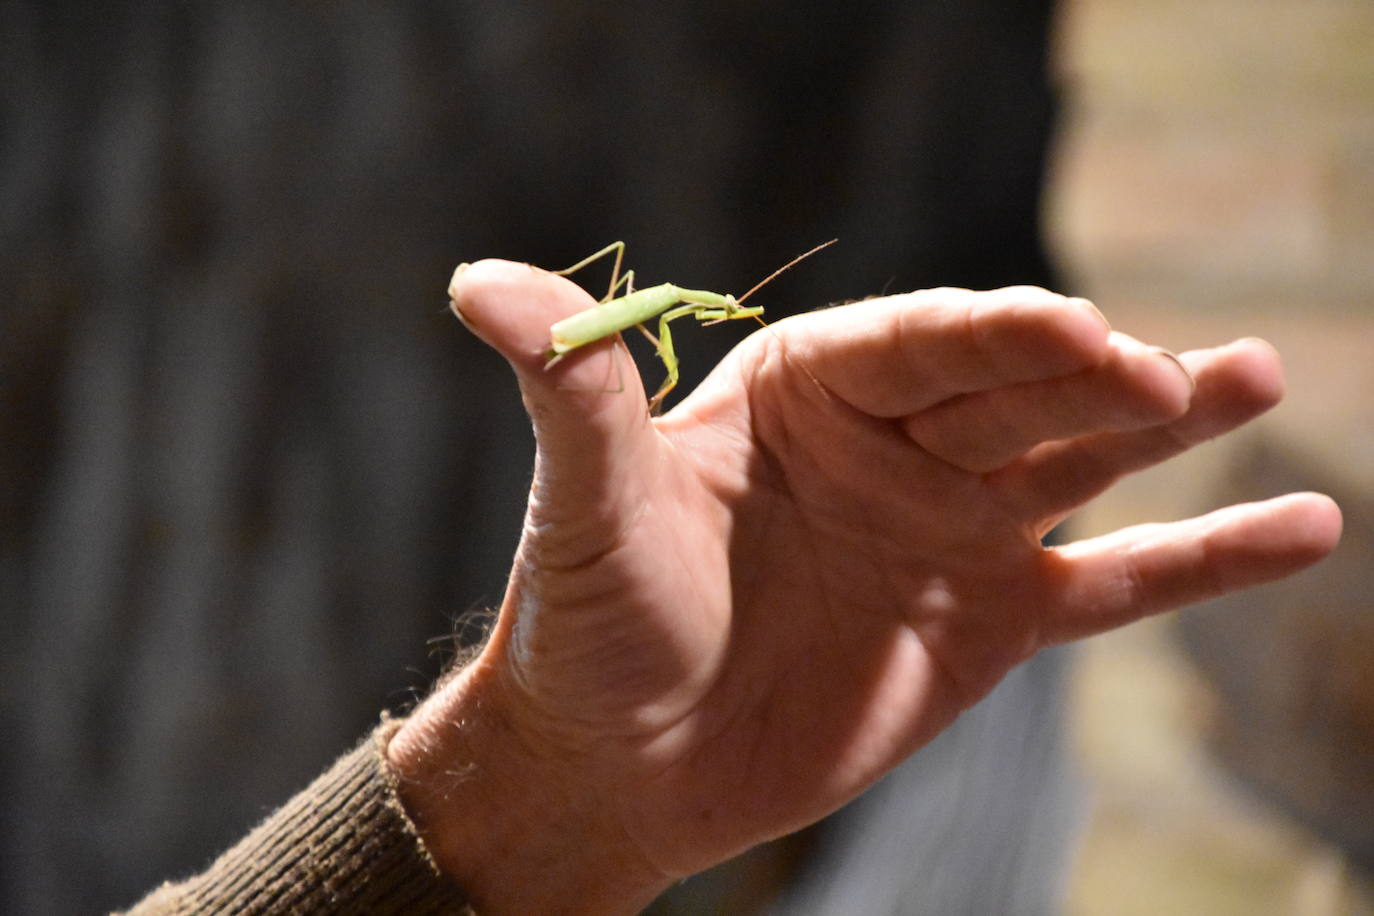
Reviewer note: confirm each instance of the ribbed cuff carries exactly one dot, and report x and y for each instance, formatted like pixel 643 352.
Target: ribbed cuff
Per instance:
pixel 343 846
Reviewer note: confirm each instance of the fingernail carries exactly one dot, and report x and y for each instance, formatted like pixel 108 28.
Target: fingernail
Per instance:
pixel 453 299
pixel 1171 357
pixel 1087 305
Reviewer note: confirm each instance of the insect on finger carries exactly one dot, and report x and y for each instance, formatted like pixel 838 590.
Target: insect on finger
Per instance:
pixel 666 301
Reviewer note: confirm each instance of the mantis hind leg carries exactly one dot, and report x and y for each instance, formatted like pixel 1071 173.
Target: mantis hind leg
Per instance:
pixel 617 280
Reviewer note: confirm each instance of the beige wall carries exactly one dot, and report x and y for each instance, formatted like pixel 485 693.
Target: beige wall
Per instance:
pixel 1215 178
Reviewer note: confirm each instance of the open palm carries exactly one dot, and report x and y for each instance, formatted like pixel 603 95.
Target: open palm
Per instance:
pixel 725 623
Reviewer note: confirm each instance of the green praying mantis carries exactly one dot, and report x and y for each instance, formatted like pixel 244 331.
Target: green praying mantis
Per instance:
pixel 616 313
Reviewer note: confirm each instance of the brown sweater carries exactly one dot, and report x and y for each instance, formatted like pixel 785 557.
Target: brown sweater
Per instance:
pixel 344 845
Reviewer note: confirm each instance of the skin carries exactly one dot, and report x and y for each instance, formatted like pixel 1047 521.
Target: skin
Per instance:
pixel 724 623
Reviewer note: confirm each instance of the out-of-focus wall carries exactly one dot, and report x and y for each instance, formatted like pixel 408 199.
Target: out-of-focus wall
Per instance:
pixel 1215 178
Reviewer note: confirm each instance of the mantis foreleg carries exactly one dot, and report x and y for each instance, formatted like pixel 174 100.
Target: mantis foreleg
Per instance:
pixel 708 308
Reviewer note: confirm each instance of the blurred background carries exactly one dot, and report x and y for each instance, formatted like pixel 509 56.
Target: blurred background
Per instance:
pixel 254 472
pixel 1214 176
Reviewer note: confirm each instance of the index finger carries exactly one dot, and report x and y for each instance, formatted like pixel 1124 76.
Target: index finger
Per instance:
pixel 897 355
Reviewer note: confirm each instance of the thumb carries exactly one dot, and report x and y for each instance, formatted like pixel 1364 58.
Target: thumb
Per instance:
pixel 591 422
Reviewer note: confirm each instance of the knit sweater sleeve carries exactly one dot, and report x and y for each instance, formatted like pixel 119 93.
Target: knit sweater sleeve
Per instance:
pixel 342 846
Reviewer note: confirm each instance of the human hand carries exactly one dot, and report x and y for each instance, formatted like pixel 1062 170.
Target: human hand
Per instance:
pixel 724 623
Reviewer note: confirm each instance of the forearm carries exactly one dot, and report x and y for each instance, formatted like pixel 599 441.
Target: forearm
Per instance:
pixel 343 845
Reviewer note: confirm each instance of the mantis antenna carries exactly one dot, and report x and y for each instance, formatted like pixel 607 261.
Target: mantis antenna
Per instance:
pixel 786 267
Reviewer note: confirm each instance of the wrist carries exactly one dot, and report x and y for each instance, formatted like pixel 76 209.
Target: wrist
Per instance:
pixel 511 822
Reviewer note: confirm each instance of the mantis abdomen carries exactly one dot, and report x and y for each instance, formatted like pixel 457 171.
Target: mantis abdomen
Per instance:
pixel 631 309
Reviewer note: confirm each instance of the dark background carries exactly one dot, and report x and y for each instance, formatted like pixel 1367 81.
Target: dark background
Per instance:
pixel 254 470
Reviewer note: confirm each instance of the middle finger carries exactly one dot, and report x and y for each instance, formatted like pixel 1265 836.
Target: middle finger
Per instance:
pixel 1135 386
